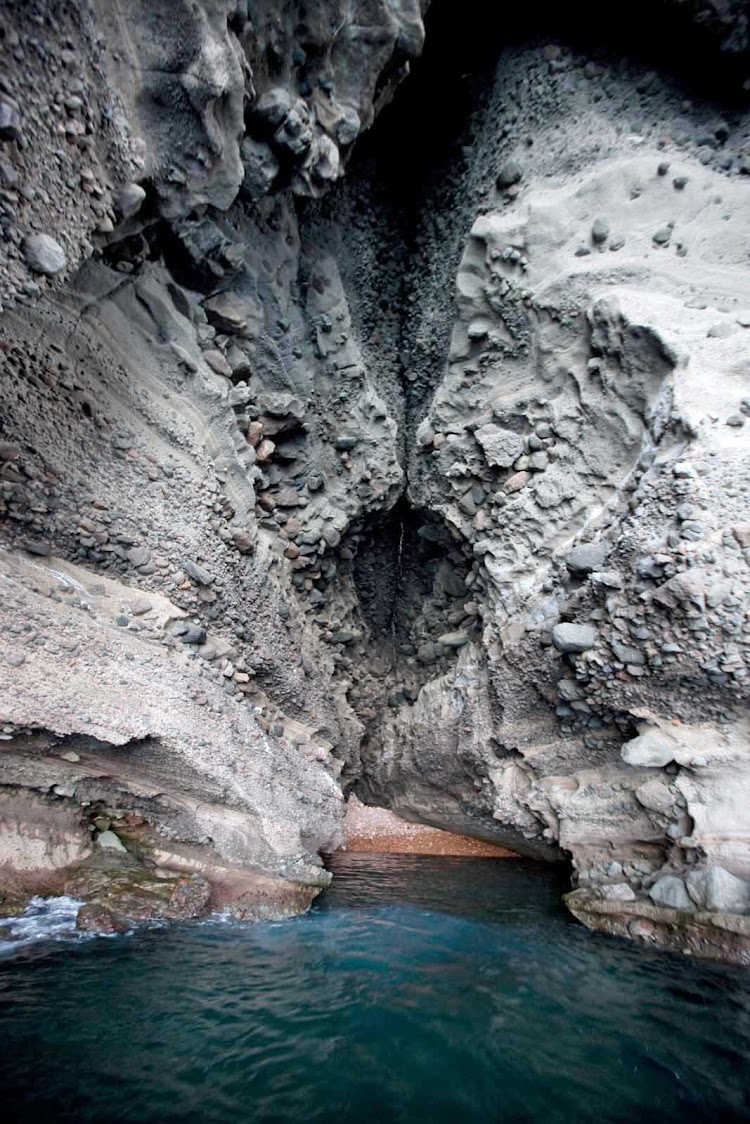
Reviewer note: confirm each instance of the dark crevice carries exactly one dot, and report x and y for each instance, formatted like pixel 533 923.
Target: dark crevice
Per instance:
pixel 413 611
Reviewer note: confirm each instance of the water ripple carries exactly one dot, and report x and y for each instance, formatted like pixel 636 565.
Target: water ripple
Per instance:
pixel 419 989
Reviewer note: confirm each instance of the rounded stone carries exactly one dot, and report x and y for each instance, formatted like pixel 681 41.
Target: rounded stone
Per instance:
pixel 108 841
pixel 670 891
pixel 573 637
pixel 129 199
pixel 44 254
pixel 718 890
pixel 586 557
pixel 510 174
pixel 454 639
pixel 651 749
pixel 600 231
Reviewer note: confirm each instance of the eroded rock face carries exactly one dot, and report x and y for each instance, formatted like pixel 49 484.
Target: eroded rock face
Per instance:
pixel 111 112
pixel 36 834
pixel 432 484
pixel 568 432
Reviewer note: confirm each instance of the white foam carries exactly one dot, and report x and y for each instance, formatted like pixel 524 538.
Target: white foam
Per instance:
pixel 43 919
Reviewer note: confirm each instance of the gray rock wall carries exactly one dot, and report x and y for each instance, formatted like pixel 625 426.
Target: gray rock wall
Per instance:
pixel 336 461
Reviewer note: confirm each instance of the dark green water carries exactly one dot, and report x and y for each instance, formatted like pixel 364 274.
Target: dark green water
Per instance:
pixel 419 989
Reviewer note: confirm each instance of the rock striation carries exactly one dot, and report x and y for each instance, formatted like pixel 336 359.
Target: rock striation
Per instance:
pixel 396 449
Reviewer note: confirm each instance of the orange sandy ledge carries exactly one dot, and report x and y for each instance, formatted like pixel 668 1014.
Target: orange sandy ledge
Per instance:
pixel 378 830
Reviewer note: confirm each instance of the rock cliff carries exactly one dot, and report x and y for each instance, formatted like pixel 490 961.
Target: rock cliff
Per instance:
pixel 378 432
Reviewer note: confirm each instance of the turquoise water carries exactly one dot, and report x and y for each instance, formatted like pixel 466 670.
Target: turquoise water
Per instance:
pixel 419 989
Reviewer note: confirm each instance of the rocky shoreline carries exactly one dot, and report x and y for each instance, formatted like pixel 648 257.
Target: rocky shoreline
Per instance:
pixel 376 424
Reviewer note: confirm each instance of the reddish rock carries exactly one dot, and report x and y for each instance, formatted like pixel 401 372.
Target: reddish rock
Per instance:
pixel 120 892
pixel 254 433
pixel 265 451
pixel 94 918
pixel 243 542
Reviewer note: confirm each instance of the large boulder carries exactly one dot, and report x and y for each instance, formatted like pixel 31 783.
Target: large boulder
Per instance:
pixel 670 890
pixel 717 890
pixel 585 557
pixel 572 638
pixel 44 254
pixel 652 749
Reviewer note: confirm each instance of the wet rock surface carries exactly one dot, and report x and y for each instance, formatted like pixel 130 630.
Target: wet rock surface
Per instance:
pixel 404 455
pixel 120 893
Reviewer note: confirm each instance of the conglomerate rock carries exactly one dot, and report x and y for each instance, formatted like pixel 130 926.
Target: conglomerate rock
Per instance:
pixel 415 466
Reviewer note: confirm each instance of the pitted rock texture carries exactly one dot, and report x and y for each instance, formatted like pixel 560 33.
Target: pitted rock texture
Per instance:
pixel 111 112
pixel 579 426
pixel 409 461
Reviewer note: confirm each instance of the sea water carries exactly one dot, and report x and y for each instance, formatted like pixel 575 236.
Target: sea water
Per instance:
pixel 418 989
